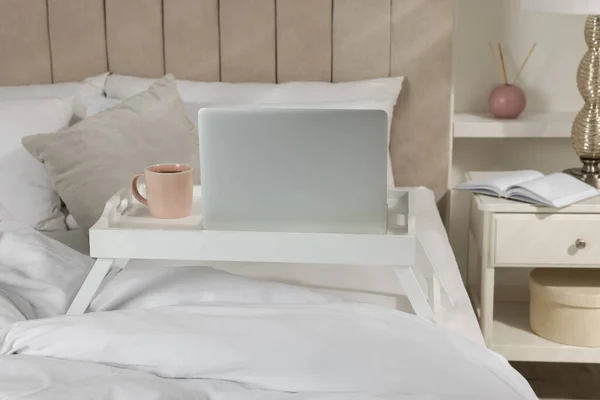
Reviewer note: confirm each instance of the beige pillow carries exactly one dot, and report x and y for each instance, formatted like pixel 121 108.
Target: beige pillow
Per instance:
pixel 91 160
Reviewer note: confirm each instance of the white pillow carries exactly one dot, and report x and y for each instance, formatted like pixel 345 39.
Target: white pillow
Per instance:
pixel 223 93
pixel 26 193
pixel 380 94
pixel 82 91
pixel 99 104
pixel 39 275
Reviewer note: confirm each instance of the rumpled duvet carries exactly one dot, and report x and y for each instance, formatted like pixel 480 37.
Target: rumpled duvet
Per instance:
pixel 198 333
pixel 344 349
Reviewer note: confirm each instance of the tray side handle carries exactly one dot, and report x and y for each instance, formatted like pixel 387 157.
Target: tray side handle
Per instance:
pixel 116 206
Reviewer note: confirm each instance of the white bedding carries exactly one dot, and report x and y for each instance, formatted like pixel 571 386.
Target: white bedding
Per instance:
pixel 198 333
pixel 320 348
pixel 74 239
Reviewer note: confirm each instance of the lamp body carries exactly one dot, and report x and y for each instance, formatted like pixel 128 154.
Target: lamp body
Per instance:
pixel 585 134
pixel 586 128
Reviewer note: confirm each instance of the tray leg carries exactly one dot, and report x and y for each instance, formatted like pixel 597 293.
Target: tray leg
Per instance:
pixel 435 295
pixel 412 288
pixel 118 266
pixel 90 285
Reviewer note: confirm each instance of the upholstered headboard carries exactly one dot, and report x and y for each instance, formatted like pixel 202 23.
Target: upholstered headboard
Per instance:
pixel 44 41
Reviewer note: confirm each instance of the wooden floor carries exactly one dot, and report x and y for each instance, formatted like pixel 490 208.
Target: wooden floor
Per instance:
pixel 562 381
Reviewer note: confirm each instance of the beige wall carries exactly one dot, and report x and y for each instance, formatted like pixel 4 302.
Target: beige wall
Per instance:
pixel 550 73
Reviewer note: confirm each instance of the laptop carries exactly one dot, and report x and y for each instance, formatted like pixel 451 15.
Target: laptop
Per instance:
pixel 293 170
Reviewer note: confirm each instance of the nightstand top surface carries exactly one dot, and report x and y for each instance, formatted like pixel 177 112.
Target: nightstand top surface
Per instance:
pixel 499 205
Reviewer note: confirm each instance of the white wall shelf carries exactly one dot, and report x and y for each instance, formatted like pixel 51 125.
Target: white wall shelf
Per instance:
pixel 548 125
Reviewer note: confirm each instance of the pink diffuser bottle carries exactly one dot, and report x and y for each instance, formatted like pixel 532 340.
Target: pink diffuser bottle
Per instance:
pixel 507 101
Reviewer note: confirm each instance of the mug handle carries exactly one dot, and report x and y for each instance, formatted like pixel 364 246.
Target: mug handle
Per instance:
pixel 135 192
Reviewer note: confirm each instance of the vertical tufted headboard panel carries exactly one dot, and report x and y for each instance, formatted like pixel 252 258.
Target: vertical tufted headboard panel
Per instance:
pixel 44 41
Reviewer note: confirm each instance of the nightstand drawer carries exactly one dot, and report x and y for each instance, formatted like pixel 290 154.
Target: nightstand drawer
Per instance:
pixel 547 239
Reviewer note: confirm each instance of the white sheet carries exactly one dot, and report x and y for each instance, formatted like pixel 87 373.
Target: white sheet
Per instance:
pixel 323 348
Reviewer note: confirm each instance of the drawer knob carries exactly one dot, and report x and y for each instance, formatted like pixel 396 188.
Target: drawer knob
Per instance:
pixel 580 244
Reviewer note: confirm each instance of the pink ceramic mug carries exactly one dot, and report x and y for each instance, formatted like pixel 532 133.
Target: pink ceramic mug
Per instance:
pixel 169 190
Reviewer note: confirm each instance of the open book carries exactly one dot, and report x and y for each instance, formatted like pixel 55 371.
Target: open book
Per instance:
pixel 554 190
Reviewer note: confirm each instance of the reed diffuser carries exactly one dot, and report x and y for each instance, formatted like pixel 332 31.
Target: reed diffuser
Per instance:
pixel 507 100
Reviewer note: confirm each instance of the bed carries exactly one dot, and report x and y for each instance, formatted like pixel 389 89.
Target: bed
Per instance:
pixel 254 334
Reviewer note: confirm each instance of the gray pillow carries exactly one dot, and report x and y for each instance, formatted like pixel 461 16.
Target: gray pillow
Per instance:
pixel 91 160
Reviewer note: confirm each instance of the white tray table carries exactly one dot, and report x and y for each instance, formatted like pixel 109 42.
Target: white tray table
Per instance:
pixel 126 231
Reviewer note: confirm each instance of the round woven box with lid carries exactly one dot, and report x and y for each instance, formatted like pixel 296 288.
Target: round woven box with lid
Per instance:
pixel 565 305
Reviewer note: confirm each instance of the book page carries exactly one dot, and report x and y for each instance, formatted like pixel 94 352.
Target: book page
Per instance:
pixel 499 182
pixel 526 196
pixel 557 190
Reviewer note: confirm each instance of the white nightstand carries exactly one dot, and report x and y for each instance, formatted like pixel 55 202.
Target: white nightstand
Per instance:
pixel 508 234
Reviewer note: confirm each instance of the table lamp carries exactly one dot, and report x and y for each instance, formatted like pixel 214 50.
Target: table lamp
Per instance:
pixel 585 134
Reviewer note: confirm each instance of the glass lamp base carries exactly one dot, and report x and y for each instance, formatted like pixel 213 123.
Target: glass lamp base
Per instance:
pixel 591 178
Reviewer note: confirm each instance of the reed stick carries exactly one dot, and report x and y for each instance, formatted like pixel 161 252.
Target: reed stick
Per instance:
pixel 524 63
pixel 496 59
pixel 503 64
